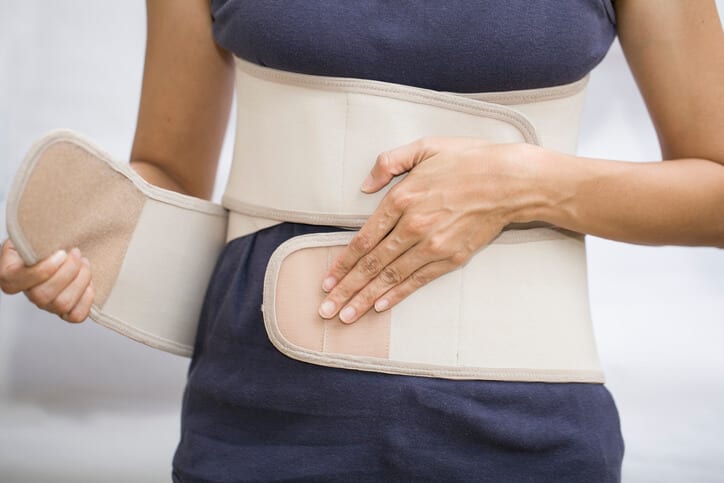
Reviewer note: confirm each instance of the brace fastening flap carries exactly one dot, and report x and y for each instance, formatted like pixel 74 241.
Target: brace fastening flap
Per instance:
pixel 442 330
pixel 151 250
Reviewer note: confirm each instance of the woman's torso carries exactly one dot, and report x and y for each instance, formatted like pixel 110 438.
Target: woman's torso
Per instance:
pixel 251 412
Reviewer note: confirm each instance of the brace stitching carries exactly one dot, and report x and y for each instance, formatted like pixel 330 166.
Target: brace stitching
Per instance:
pixel 380 365
pixel 409 93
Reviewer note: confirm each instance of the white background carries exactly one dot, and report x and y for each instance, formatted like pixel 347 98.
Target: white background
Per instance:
pixel 80 403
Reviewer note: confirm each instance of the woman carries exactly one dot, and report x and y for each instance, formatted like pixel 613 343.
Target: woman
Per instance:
pixel 474 421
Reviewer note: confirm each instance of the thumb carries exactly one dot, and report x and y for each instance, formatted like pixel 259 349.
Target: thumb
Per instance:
pixel 397 161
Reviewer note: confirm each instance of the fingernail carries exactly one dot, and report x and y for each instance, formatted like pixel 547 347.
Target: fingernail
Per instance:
pixel 367 183
pixel 381 305
pixel 58 257
pixel 326 309
pixel 85 261
pixel 347 314
pixel 329 283
pixel 75 252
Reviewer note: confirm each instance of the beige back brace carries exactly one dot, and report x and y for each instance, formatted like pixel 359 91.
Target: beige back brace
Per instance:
pixel 518 310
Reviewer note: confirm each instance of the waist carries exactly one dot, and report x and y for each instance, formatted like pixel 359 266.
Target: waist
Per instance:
pixel 304 143
pixel 518 310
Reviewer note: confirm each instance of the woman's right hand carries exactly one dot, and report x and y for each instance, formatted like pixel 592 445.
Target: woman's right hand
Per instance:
pixel 61 283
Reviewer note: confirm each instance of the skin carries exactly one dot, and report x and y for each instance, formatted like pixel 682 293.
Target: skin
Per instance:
pixel 450 204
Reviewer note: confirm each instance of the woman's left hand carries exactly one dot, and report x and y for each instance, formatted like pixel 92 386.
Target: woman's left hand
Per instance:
pixel 458 195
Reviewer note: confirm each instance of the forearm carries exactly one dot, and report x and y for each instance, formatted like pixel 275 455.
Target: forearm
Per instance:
pixel 674 202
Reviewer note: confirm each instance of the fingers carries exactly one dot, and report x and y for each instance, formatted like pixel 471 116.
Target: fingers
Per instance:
pixel 367 268
pixel 416 280
pixel 403 158
pixel 361 289
pixel 60 283
pixel 397 161
pixel 16 277
pixel 376 228
pixel 409 239
pixel 394 282
pixel 46 295
pixel 69 297
pixel 82 308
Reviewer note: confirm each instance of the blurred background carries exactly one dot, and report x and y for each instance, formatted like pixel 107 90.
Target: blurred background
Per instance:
pixel 81 403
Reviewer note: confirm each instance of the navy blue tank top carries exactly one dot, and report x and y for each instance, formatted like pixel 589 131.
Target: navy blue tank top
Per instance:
pixel 252 413
pixel 462 46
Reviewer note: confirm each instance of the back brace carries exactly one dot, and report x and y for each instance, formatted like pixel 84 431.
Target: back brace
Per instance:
pixel 518 310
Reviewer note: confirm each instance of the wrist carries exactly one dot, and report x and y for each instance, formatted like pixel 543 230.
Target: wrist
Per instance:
pixel 550 186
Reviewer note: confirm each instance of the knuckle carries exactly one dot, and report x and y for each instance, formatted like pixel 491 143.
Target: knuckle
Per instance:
pixel 361 243
pixel 427 143
pixel 79 314
pixel 419 279
pixel 70 319
pixel 363 301
pixel 62 304
pixel 84 274
pixel 423 142
pixel 44 271
pixel 8 288
pixel 342 293
pixel 389 215
pixel 436 246
pixel 40 297
pixel 8 276
pixel 390 276
pixel 340 266
pixel 400 198
pixel 384 161
pixel 75 264
pixel 7 272
pixel 417 225
pixel 369 265
pixel 459 258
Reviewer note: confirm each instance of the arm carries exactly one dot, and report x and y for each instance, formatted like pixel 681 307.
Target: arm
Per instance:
pixel 676 53
pixel 426 225
pixel 185 99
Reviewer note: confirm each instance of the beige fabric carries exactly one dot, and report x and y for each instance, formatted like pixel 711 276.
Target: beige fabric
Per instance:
pixel 240 224
pixel 338 126
pixel 151 250
pixel 527 96
pixel 517 311
pixel 165 273
pixel 554 111
pixel 511 305
pixel 471 323
pixel 298 321
pixel 55 210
